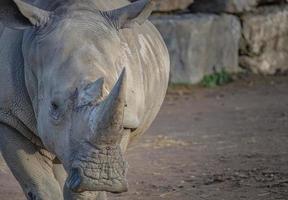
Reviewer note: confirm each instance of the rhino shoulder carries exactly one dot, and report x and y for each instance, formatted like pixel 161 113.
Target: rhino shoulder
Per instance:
pixel 15 106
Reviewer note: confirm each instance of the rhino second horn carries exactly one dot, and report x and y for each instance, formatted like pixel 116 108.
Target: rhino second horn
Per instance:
pixel 92 93
pixel 109 124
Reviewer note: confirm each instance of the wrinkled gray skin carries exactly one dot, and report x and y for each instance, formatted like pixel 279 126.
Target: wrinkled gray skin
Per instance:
pixel 79 80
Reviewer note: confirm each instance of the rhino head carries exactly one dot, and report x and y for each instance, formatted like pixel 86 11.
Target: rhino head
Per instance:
pixel 77 85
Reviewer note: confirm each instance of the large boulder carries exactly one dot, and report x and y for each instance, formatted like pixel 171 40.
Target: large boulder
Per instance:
pixel 171 5
pixel 229 6
pixel 200 44
pixel 264 45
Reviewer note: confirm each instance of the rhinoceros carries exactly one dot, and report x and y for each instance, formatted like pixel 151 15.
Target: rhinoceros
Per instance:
pixel 80 80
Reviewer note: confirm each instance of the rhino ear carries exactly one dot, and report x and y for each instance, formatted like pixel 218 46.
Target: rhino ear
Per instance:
pixel 18 14
pixel 91 93
pixel 135 13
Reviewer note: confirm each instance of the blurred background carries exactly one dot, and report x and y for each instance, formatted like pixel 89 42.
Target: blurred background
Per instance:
pixel 208 36
pixel 222 131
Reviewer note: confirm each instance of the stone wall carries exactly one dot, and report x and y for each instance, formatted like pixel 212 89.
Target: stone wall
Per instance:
pixel 204 36
pixel 199 44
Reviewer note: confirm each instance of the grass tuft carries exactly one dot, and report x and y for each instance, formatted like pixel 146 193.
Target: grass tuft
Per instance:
pixel 217 79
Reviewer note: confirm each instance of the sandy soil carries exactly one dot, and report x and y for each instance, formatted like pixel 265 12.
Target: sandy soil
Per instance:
pixel 226 143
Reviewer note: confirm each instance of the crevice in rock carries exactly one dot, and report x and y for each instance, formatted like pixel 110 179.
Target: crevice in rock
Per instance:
pixel 271 2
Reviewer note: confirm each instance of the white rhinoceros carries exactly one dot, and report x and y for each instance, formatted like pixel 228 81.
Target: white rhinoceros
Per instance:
pixel 80 79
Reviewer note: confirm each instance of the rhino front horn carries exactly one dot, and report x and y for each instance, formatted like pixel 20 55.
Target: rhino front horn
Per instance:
pixel 109 117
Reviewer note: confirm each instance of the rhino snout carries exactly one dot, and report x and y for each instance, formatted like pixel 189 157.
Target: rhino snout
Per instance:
pixel 98 169
pixel 76 184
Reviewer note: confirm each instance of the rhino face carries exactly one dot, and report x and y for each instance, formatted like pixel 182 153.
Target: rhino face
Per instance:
pixel 77 118
pixel 93 158
pixel 79 113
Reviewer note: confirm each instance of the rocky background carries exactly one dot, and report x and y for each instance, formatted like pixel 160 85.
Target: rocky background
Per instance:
pixel 205 36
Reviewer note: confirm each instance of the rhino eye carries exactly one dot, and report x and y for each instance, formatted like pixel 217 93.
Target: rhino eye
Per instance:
pixel 54 106
pixel 54 111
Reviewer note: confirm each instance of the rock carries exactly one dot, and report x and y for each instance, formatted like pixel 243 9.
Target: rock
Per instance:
pixel 229 6
pixel 171 5
pixel 264 45
pixel 200 44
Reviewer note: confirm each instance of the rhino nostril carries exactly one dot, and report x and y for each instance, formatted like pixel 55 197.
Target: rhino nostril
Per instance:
pixel 74 180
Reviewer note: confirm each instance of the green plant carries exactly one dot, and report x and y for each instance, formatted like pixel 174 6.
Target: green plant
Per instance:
pixel 216 79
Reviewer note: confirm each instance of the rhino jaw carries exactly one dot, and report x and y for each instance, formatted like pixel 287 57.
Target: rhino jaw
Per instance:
pixel 98 169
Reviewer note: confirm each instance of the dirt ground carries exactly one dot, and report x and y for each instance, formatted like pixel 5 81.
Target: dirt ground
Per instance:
pixel 225 143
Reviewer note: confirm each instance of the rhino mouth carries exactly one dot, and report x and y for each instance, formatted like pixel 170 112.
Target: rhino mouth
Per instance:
pixel 98 169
